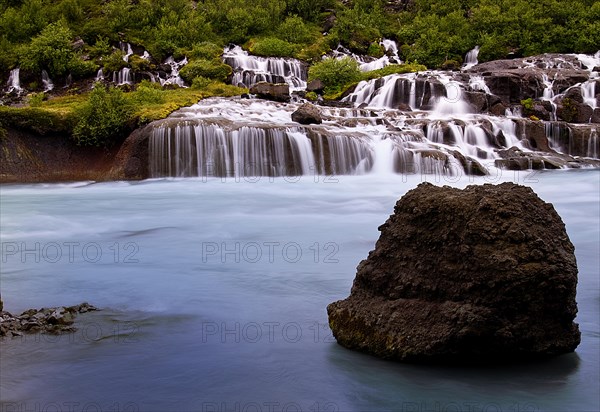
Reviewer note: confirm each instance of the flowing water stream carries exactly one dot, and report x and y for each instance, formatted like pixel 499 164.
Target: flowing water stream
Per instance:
pixel 214 293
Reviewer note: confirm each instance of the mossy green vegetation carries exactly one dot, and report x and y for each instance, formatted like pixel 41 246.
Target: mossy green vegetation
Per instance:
pixel 37 34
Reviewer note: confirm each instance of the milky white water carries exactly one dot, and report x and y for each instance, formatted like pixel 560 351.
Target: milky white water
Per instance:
pixel 214 294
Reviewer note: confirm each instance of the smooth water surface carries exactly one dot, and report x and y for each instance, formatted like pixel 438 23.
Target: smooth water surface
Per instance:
pixel 214 298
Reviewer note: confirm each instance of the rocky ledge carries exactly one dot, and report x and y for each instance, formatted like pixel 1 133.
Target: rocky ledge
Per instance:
pixel 46 320
pixel 484 274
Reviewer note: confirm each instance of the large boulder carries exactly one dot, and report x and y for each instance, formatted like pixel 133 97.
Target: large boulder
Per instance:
pixel 307 114
pixel 279 92
pixel 487 273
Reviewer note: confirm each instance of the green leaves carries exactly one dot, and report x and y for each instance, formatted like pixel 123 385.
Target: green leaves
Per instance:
pixel 335 73
pixel 102 120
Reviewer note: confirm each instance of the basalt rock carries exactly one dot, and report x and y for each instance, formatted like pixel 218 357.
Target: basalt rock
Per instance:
pixel 45 320
pixel 307 114
pixel 279 92
pixel 484 274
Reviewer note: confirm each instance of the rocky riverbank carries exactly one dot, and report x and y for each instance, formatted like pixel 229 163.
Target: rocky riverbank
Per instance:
pixel 46 320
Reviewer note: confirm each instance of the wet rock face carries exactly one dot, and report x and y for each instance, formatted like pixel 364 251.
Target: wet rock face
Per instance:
pixel 307 114
pixel 277 92
pixel 484 274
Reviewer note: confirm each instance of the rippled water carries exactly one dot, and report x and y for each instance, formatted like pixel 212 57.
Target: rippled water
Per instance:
pixel 214 295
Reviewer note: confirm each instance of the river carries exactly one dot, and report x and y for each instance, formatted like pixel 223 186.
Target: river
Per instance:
pixel 213 295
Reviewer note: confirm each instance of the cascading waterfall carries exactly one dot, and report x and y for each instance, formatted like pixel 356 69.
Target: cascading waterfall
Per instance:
pixel 588 90
pixel 123 76
pixel 100 75
pixel 46 82
pixel 14 81
pixel 471 58
pixel 173 77
pixel 249 70
pixel 367 63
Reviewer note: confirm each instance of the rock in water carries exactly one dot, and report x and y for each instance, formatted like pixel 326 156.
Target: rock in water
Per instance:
pixel 307 114
pixel 484 274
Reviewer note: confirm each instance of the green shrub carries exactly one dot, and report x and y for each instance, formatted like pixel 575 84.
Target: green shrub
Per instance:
pixel 293 30
pixel 51 50
pixel 148 93
pixel 376 50
pixel 205 50
pixel 271 46
pixel 335 73
pixel 114 61
pixel 36 99
pixel 100 48
pixel 212 69
pixel 102 120
pixel 200 83
pixel 312 96
pixel 139 64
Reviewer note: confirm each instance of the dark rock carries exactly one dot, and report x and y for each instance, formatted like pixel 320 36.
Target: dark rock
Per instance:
pixel 477 100
pixel 572 111
pixel 498 109
pixel 47 320
pixel 316 86
pixel 485 274
pixel 307 114
pixel 277 92
pixel 535 133
pixel 596 116
pixel 78 44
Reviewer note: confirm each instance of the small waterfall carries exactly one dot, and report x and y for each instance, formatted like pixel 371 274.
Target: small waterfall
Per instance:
pixel 123 76
pixel 249 70
pixel 14 82
pixel 46 82
pixel 367 63
pixel 478 83
pixel 126 49
pixel 548 94
pixel 592 149
pixel 207 149
pixel 173 77
pixel 100 75
pixel 588 90
pixel 146 55
pixel 471 58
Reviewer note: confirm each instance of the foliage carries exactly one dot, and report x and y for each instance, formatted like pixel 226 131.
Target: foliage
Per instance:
pixel 312 96
pixel 212 69
pixel 294 30
pixel 51 50
pixel 102 120
pixel 114 61
pixel 393 69
pixel 205 50
pixel 36 99
pixel 272 46
pixel 335 73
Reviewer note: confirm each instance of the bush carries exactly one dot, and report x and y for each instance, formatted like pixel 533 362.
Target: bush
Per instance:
pixel 205 50
pixel 293 30
pixel 114 61
pixel 139 64
pixel 51 50
pixel 335 73
pixel 148 93
pixel 102 120
pixel 36 99
pixel 200 83
pixel 212 69
pixel 271 46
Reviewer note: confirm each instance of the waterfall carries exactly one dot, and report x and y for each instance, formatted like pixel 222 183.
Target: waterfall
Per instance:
pixel 46 82
pixel 588 90
pixel 100 75
pixel 249 70
pixel 592 149
pixel 123 76
pixel 14 82
pixel 367 63
pixel 206 149
pixel 471 58
pixel 126 49
pixel 173 77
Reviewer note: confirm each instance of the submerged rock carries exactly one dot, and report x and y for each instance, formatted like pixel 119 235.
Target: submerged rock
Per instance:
pixel 484 274
pixel 47 320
